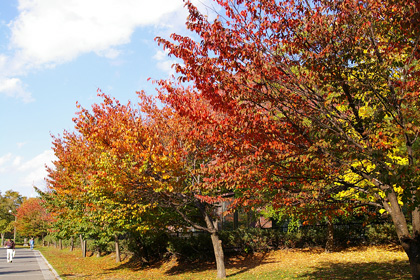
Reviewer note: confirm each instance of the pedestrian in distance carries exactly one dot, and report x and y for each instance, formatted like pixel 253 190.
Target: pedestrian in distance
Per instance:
pixel 31 243
pixel 10 246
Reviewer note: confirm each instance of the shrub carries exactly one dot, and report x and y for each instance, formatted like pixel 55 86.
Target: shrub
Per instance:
pixel 191 246
pixel 148 247
pixel 381 234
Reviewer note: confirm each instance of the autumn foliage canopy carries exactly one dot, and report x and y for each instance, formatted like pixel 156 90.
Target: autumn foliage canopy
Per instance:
pixel 295 104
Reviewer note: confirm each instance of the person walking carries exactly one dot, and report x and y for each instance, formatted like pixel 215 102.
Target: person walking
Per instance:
pixel 10 246
pixel 31 243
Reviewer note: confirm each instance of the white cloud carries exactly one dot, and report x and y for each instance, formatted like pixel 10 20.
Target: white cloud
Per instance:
pixel 17 161
pixel 49 32
pixel 38 162
pixel 166 66
pixel 5 159
pixel 161 55
pixel 14 87
pixel 164 62
pixel 35 171
pixel 30 172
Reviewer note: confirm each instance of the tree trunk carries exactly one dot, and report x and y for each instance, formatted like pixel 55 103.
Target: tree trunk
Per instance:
pixel 71 244
pixel 219 255
pixel 329 246
pixel 2 239
pixel 235 219
pixel 217 243
pixel 60 244
pixel 117 250
pixel 410 244
pixel 84 248
pixel 412 249
pixel 211 227
pixel 81 241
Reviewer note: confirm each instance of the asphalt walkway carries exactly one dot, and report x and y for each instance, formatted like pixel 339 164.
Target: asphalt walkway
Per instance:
pixel 26 265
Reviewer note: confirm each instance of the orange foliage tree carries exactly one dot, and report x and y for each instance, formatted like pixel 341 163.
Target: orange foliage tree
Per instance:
pixel 125 169
pixel 89 192
pixel 33 220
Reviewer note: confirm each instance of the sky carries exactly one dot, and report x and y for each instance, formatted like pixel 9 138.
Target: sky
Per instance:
pixel 54 53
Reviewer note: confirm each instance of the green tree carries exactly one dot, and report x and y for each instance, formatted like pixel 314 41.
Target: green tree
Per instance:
pixel 9 202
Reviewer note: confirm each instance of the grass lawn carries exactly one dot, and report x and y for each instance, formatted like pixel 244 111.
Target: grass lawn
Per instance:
pixel 355 263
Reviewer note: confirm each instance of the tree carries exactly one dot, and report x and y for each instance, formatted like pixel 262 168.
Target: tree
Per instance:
pixel 129 170
pixel 9 202
pixel 77 204
pixel 176 135
pixel 308 97
pixel 32 218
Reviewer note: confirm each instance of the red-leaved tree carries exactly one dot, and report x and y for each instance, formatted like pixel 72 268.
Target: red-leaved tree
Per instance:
pixel 33 220
pixel 307 101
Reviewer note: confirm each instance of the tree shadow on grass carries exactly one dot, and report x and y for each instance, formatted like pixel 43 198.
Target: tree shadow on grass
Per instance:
pixel 396 270
pixel 171 266
pixel 74 276
pixel 174 267
pixel 242 264
pixel 238 263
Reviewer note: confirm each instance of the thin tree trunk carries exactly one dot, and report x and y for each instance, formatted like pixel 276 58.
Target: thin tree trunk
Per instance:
pixel 235 219
pixel 60 244
pixel 71 244
pixel 329 246
pixel 210 227
pixel 219 255
pixel 217 243
pixel 81 241
pixel 117 250
pixel 2 239
pixel 84 248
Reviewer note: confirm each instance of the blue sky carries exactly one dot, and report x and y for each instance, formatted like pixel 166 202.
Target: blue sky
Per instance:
pixel 56 52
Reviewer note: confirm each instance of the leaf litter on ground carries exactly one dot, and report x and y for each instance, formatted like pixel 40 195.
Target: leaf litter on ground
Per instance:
pixel 374 262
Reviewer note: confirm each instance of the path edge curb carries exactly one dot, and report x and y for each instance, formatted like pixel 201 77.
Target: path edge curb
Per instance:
pixel 49 266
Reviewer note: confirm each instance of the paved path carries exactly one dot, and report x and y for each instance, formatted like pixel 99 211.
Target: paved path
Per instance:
pixel 26 265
